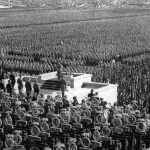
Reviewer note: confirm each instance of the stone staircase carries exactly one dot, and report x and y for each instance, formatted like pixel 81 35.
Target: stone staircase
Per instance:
pixel 51 85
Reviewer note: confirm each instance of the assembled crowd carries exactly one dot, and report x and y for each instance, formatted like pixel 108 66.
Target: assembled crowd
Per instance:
pixel 58 123
pixel 131 73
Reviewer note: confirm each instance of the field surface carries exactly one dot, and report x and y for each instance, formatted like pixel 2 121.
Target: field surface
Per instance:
pixel 38 16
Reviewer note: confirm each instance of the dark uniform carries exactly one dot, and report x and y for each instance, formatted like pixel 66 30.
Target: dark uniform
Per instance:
pixel 20 84
pixel 65 103
pixel 28 87
pixel 13 80
pixel 75 101
pixel 9 87
pixel 59 70
pixel 91 95
pixel 63 87
pixel 2 86
pixel 36 88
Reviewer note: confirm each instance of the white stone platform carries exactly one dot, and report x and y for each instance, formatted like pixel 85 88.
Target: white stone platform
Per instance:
pixel 79 85
pixel 108 93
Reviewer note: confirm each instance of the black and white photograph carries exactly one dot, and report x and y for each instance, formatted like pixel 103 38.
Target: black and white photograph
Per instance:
pixel 74 74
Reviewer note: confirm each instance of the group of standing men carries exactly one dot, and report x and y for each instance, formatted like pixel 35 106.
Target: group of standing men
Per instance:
pixel 9 88
pixel 10 85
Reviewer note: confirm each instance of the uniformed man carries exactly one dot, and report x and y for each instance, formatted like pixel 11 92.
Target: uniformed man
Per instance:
pixel 59 68
pixel 63 86
pixel 20 84
pixel 9 87
pixel 12 78
pixel 28 86
pixel 36 88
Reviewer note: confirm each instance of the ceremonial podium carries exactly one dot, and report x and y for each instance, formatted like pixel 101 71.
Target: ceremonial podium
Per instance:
pixel 78 84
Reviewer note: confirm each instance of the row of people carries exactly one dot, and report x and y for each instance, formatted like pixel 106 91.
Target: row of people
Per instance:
pixel 115 112
pixel 9 87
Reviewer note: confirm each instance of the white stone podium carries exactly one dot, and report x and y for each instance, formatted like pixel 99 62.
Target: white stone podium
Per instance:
pixel 80 85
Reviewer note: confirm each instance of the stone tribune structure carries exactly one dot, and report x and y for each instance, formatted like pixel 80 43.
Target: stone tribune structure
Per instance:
pixel 78 84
